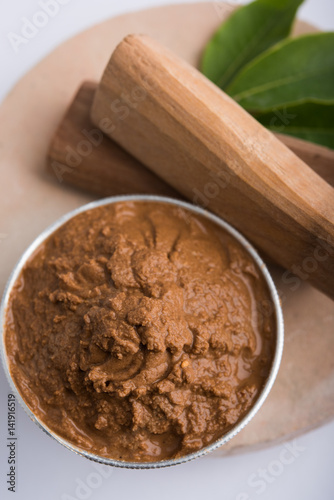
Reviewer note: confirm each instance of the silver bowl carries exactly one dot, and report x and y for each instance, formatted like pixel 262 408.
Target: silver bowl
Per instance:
pixel 273 296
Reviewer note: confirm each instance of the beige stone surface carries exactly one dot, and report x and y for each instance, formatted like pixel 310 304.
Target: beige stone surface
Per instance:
pixel 303 395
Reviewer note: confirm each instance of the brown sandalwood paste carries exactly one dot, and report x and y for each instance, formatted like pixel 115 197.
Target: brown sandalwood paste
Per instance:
pixel 134 331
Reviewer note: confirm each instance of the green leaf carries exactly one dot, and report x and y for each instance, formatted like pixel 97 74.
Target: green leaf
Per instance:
pixel 311 121
pixel 295 70
pixel 248 32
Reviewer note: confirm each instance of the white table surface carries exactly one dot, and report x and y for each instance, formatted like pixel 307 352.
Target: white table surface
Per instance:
pixel 46 470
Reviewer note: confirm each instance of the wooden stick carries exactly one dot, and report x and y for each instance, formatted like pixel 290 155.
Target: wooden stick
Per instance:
pixel 112 171
pixel 190 133
pixel 79 154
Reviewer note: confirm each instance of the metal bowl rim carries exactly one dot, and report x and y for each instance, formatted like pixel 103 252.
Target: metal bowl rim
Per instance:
pixel 197 210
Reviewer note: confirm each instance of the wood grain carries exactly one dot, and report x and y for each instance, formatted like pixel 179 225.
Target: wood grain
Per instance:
pixel 82 156
pixel 319 158
pixel 207 147
pixel 105 169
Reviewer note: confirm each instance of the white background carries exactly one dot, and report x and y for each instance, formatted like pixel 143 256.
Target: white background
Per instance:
pixel 46 470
